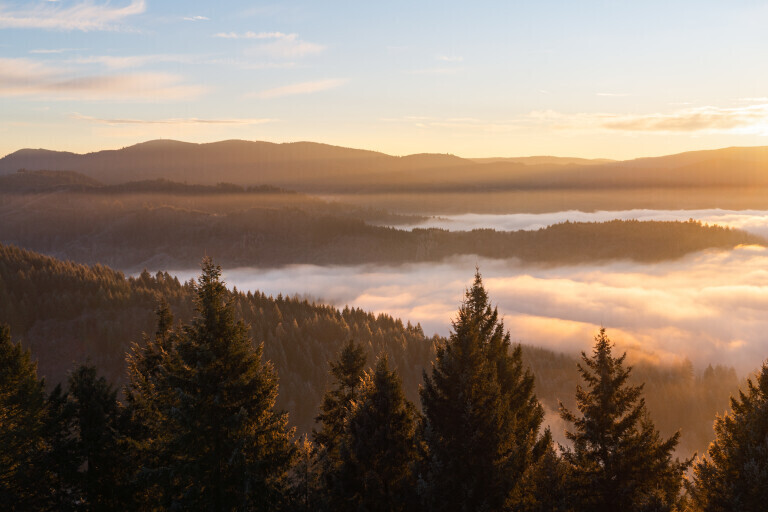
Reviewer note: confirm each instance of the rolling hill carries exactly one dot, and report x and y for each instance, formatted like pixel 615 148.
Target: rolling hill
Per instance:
pixel 321 168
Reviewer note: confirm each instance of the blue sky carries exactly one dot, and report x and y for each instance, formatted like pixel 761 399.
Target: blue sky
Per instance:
pixel 614 79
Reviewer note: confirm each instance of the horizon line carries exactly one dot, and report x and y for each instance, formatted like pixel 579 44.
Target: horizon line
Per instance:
pixel 567 156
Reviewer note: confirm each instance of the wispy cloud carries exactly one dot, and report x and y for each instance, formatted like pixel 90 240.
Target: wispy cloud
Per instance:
pixel 130 61
pixel 280 45
pixel 747 119
pixel 750 119
pixel 54 51
pixel 450 58
pixel 85 16
pixel 173 121
pixel 196 18
pixel 28 78
pixel 612 94
pixel 254 35
pixel 300 88
pixel 248 64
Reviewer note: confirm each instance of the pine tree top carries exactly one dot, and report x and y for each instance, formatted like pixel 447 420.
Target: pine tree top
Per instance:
pixel 618 459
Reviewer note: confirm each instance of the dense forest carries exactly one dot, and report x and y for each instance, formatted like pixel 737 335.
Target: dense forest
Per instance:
pixel 69 313
pixel 126 392
pixel 197 427
pixel 162 225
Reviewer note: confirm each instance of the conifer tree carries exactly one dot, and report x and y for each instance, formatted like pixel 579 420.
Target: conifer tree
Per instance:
pixel 734 476
pixel 148 398
pixel 303 493
pixel 379 451
pixel 545 484
pixel 22 441
pixel 347 373
pixel 89 465
pixel 481 415
pixel 618 460
pixel 219 443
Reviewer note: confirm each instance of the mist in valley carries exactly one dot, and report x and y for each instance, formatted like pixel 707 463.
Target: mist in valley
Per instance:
pixel 708 307
pixel 250 254
pixel 752 221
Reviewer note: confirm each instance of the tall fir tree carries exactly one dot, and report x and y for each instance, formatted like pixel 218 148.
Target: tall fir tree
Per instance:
pixel 618 460
pixel 23 482
pixel 734 475
pixel 347 372
pixel 379 453
pixel 148 396
pixel 482 418
pixel 219 442
pixel 90 469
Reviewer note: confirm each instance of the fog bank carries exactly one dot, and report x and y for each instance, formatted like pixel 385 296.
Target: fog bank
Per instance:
pixel 710 307
pixel 753 221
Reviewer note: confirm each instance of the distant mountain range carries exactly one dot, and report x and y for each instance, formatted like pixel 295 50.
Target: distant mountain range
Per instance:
pixel 313 167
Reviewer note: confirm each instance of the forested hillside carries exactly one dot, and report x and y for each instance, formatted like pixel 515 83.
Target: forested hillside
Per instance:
pixel 69 313
pixel 161 225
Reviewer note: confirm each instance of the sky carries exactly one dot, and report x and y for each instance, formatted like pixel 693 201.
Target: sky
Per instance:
pixel 613 78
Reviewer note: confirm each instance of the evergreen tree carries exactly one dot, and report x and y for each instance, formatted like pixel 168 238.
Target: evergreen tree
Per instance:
pixel 618 459
pixel 545 484
pixel 148 397
pixel 481 415
pixel 219 443
pixel 735 474
pixel 89 466
pixel 22 441
pixel 303 493
pixel 379 451
pixel 347 373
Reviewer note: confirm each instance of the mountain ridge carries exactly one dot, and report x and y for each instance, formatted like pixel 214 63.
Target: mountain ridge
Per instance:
pixel 323 168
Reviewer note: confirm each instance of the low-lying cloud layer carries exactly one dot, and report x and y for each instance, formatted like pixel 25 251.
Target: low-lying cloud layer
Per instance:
pixel 753 221
pixel 709 307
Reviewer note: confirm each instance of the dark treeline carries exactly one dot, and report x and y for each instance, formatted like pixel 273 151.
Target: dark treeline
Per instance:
pixel 135 231
pixel 69 313
pixel 199 429
pixel 32 182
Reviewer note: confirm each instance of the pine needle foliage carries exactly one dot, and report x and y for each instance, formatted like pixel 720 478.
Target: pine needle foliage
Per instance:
pixel 379 453
pixel 215 441
pixel 618 460
pixel 22 417
pixel 482 418
pixel 734 475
